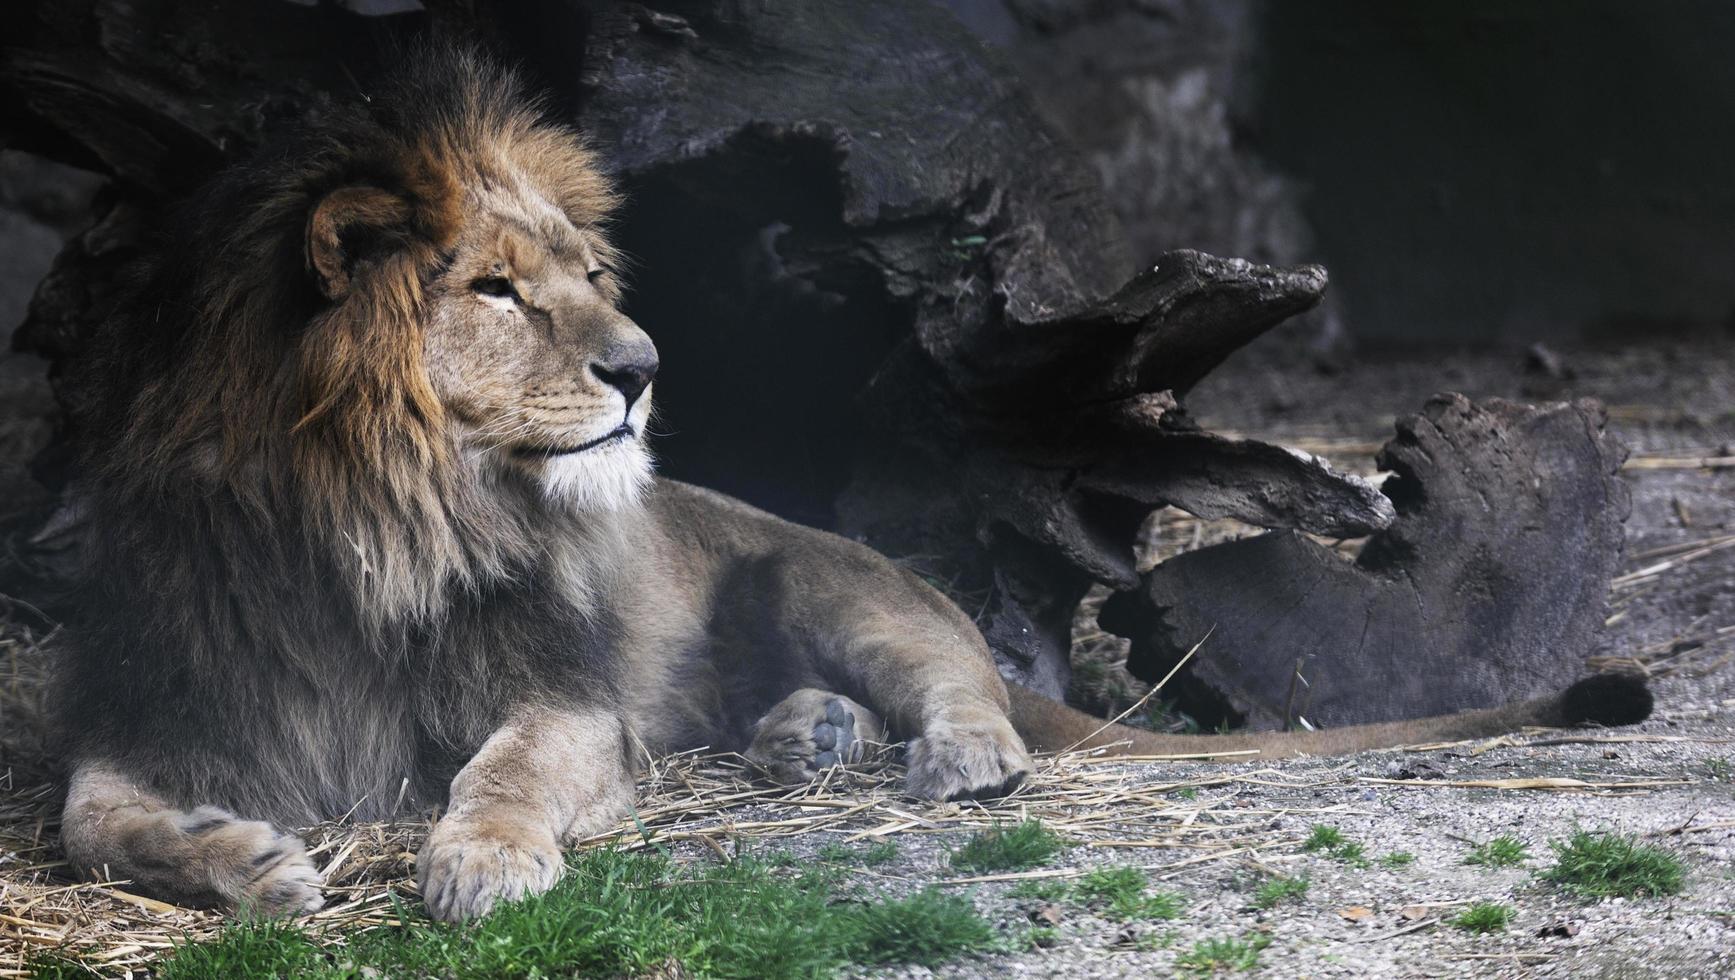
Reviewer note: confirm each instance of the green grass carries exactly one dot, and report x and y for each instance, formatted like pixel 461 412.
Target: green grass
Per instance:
pixel 1153 941
pixel 1398 859
pixel 1505 851
pixel 1224 955
pixel 1331 841
pixel 1351 853
pixel 1027 845
pixel 1116 894
pixel 1041 937
pixel 1119 894
pixel 620 914
pixel 1595 865
pixel 1275 891
pixel 928 928
pixel 876 854
pixel 1485 917
pixel 252 949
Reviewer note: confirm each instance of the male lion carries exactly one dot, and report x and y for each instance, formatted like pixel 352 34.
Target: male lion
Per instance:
pixel 374 528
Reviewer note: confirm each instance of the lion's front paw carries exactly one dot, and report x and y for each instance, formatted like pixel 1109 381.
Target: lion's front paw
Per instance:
pixel 255 867
pixel 467 866
pixel 975 756
pixel 812 730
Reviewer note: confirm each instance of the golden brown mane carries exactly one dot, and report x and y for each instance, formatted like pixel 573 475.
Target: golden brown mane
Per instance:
pixel 301 391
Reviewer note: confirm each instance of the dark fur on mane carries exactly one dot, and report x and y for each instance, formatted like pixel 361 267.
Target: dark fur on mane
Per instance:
pixel 297 592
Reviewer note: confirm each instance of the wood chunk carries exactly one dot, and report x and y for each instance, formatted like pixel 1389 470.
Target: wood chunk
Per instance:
pixel 1490 586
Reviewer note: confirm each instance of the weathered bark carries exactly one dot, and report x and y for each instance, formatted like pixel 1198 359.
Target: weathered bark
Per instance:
pixel 1490 586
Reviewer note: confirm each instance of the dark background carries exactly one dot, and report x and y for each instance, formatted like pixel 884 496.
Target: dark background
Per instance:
pixel 1473 173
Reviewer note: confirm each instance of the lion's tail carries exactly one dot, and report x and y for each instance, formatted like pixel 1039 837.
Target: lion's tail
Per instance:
pixel 1603 699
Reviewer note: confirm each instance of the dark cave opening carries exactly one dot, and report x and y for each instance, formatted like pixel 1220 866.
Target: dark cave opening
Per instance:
pixel 761 365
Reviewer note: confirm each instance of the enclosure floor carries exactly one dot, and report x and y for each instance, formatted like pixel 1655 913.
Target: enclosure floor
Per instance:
pixel 1212 831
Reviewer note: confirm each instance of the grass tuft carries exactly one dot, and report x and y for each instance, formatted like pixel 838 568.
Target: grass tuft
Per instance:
pixel 1330 840
pixel 1597 865
pixel 1116 894
pixel 622 914
pixel 1119 894
pixel 1351 853
pixel 1505 851
pixel 1275 891
pixel 928 928
pixel 1323 838
pixel 1485 917
pixel 1028 845
pixel 266 948
pixel 1223 955
pixel 1040 937
pixel 1398 859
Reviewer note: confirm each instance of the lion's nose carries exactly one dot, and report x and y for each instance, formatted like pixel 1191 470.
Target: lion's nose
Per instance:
pixel 628 371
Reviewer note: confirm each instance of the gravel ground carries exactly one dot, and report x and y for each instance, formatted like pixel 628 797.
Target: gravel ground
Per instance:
pixel 1663 399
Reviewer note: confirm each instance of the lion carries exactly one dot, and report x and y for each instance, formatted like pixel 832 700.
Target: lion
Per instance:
pixel 374 530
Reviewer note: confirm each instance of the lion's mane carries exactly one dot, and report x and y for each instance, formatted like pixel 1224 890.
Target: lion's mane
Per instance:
pixel 275 505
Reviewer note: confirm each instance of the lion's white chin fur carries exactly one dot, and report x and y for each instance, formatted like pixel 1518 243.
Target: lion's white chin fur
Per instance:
pixel 610 478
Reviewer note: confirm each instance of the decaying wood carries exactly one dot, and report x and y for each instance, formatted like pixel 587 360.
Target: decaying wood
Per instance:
pixel 1489 586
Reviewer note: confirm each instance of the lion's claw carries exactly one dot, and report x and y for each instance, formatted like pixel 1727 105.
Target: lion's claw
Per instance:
pixel 466 868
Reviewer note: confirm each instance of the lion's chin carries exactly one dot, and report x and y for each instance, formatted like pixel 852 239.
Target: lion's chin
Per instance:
pixel 611 477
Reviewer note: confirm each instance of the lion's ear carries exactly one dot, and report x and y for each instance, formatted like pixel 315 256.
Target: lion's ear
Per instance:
pixel 343 227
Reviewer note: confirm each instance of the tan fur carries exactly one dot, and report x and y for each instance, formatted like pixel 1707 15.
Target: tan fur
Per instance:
pixel 120 831
pixel 517 801
pixel 385 542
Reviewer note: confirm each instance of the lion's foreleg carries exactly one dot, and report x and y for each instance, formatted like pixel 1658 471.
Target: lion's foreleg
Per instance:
pixel 920 662
pixel 115 829
pixel 949 702
pixel 547 776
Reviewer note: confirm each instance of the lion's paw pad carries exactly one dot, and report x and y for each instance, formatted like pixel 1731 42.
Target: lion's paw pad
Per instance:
pixel 811 731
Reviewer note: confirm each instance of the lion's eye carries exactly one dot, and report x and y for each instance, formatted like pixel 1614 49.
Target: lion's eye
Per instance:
pixel 597 273
pixel 499 286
